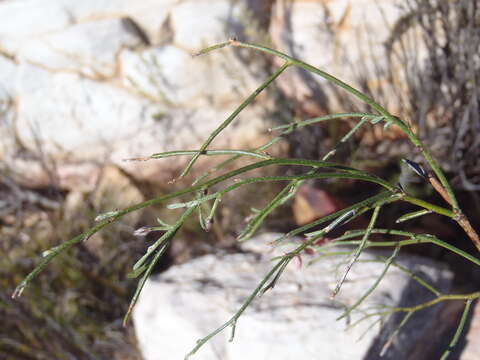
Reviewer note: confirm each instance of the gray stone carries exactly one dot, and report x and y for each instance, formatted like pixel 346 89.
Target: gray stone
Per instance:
pixel 7 105
pixel 30 19
pixel 109 80
pixel 101 81
pixel 90 49
pixel 297 319
pixel 344 38
pixel 75 117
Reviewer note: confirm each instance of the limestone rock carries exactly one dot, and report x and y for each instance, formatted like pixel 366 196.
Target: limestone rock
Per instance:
pixel 344 38
pixel 297 319
pixel 89 49
pixel 100 81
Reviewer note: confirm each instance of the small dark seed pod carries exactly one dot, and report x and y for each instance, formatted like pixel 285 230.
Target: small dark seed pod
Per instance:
pixel 417 168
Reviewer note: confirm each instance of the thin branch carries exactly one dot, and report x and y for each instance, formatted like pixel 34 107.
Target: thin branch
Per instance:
pixel 374 286
pixel 227 122
pixel 459 330
pixel 359 250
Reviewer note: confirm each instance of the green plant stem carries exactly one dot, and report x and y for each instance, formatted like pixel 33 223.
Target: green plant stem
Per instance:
pixel 55 252
pixel 257 221
pixel 290 189
pixel 429 206
pixel 227 122
pixel 365 204
pixel 115 215
pixel 266 283
pixel 459 330
pixel 235 317
pixel 281 196
pixel 438 299
pixel 394 334
pixel 369 101
pixel 359 250
pixel 296 125
pixel 374 286
pixel 233 158
pixel 165 237
pixel 415 277
pixel 412 215
pixel 161 245
pixel 142 282
pixel 208 153
pixel 414 239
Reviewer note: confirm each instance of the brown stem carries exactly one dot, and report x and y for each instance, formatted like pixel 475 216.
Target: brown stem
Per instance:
pixel 440 189
pixel 468 228
pixel 460 217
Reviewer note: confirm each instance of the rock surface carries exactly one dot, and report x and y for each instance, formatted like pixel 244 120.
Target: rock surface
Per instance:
pixel 296 320
pixel 83 82
pixel 92 81
pixel 344 38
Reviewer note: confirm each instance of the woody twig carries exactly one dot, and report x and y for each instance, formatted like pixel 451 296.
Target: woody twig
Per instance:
pixel 460 217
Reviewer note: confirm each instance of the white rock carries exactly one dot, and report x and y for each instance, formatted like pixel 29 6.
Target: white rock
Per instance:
pixel 23 19
pixel 344 38
pixel 7 106
pixel 218 17
pixel 296 320
pixel 75 117
pixel 102 81
pixel 7 77
pixel 27 19
pixel 90 49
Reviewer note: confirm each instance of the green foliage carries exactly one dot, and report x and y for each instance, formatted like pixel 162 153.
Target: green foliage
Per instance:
pixel 209 188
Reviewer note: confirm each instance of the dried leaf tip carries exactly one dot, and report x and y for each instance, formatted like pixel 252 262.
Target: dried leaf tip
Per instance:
pixel 107 215
pixel 138 159
pixel 416 168
pixel 143 231
pixel 19 290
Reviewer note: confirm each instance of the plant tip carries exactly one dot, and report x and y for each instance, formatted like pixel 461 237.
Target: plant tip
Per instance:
pixel 19 290
pixel 208 224
pixel 107 215
pixel 47 252
pixel 143 231
pixel 400 188
pixel 416 168
pixel 138 159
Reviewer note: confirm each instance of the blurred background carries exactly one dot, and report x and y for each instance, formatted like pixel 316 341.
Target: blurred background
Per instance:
pixel 85 85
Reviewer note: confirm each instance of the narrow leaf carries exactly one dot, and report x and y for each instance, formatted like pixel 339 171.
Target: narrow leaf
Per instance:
pixel 412 215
